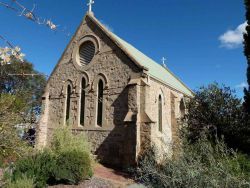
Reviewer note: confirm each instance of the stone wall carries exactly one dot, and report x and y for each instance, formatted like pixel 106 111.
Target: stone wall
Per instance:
pixel 130 113
pixel 171 101
pixel 110 141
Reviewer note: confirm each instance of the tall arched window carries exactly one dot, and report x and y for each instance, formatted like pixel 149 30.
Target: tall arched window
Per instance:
pixel 100 103
pixel 182 109
pixel 82 109
pixel 160 113
pixel 68 103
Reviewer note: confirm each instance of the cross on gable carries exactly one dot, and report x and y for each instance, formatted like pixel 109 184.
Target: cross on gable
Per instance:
pixel 90 5
pixel 163 61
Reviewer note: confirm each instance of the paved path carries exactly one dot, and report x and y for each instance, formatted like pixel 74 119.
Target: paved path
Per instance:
pixel 112 175
pixel 105 178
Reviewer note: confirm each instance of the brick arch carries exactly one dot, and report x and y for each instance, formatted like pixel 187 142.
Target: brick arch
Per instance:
pixel 104 78
pixel 162 94
pixel 66 83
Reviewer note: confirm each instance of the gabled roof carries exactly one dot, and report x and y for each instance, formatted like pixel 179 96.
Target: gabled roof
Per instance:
pixel 155 70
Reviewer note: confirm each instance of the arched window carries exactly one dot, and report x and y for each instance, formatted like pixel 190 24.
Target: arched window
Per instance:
pixel 182 109
pixel 68 103
pixel 160 113
pixel 86 52
pixel 100 103
pixel 82 108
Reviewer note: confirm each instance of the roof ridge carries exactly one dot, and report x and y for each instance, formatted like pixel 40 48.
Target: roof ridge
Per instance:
pixel 128 48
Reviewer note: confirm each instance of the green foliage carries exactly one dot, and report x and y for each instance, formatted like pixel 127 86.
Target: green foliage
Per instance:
pixel 23 182
pixel 64 140
pixel 72 167
pixel 20 100
pixel 70 164
pixel 39 166
pixel 28 89
pixel 73 153
pixel 216 112
pixel 11 147
pixel 201 164
pixel 244 162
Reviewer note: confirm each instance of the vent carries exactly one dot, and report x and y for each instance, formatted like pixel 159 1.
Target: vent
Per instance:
pixel 86 52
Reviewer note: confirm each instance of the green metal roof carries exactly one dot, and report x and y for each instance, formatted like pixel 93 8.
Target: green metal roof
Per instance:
pixel 155 70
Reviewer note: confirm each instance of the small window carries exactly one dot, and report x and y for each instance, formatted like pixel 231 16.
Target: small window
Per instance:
pixel 68 104
pixel 86 52
pixel 182 108
pixel 82 111
pixel 160 113
pixel 100 103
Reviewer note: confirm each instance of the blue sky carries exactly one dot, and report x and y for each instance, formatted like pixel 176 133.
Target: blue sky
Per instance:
pixel 186 32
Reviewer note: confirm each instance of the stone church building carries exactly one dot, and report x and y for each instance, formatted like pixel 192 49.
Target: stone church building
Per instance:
pixel 123 100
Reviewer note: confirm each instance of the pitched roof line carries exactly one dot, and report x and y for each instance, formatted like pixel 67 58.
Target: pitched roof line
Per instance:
pixel 116 41
pixel 128 49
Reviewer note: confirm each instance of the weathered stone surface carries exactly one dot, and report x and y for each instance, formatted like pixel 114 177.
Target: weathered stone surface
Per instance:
pixel 130 101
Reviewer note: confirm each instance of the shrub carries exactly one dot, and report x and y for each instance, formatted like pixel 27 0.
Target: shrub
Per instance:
pixel 39 166
pixel 244 162
pixel 217 112
pixel 74 158
pixel 68 161
pixel 11 146
pixel 73 167
pixel 64 140
pixel 23 182
pixel 199 165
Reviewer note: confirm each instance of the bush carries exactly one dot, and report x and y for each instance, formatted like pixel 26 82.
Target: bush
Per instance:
pixel 23 182
pixel 64 140
pixel 11 146
pixel 74 162
pixel 216 112
pixel 68 161
pixel 199 165
pixel 73 167
pixel 39 166
pixel 244 162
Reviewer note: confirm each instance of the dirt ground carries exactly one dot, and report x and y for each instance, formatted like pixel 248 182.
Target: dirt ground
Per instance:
pixel 105 178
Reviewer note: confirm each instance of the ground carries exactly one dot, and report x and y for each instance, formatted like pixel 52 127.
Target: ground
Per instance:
pixel 103 178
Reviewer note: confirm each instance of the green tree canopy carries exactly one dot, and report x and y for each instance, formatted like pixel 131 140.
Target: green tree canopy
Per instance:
pixel 216 112
pixel 20 102
pixel 27 88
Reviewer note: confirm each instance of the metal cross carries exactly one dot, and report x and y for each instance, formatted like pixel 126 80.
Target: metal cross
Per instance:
pixel 90 5
pixel 163 61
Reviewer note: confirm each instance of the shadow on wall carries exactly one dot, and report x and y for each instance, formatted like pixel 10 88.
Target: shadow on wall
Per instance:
pixel 119 148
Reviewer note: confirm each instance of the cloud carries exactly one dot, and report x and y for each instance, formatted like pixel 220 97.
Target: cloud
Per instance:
pixel 241 85
pixel 233 38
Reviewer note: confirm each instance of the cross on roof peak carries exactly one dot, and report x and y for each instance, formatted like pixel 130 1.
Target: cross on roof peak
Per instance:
pixel 91 2
pixel 163 61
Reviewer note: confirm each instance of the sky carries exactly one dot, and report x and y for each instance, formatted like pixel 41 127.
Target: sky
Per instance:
pixel 201 40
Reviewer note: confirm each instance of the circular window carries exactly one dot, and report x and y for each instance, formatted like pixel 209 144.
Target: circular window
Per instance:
pixel 86 52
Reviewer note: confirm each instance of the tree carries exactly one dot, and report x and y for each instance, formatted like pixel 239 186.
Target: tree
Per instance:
pixel 247 54
pixel 20 102
pixel 216 112
pixel 11 146
pixel 27 88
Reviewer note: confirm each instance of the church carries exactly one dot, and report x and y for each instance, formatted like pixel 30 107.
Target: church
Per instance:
pixel 120 98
